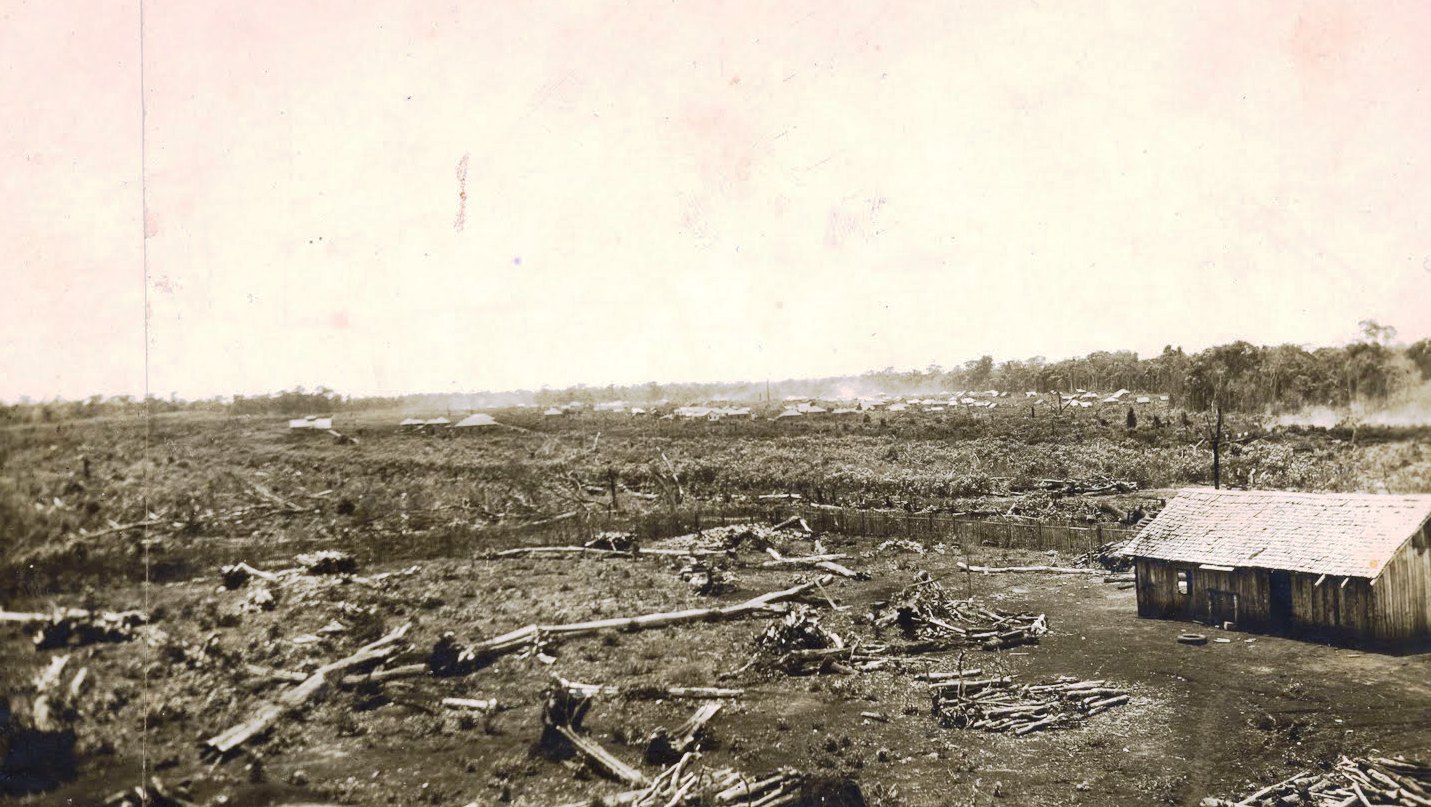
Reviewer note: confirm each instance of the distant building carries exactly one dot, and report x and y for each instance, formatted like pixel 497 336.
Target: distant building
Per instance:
pixel 478 420
pixel 1343 566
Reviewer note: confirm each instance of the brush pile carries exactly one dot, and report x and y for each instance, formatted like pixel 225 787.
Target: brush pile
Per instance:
pixel 927 612
pixel 800 645
pixel 757 537
pixel 996 704
pixel 1360 781
pixel 680 785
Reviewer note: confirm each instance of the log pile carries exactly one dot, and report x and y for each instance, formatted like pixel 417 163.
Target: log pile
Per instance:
pixel 926 611
pixel 1106 557
pixel 1352 782
pixel 997 704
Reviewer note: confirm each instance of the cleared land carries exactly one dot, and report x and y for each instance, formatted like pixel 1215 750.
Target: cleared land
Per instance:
pixel 1218 719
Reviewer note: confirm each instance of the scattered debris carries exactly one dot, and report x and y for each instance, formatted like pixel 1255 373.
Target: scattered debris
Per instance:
pixel 1108 557
pixel 926 611
pixel 450 658
pixel 680 786
pixel 995 704
pixel 901 543
pixel 1386 780
pixel 706 577
pixel 613 541
pixel 825 562
pixel 296 697
pixel 794 522
pixel 155 794
pixel 1073 487
pixel 328 561
pixel 238 575
pixel 73 627
pixel 37 737
pixel 566 708
pixel 664 747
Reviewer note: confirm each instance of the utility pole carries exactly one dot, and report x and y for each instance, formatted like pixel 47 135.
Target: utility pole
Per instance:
pixel 1217 448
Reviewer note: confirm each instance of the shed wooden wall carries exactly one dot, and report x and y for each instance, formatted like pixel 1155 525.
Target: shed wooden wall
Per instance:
pixel 1402 594
pixel 1158 595
pixel 1397 609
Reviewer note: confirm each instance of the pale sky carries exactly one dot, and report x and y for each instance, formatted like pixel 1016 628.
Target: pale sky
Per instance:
pixel 693 191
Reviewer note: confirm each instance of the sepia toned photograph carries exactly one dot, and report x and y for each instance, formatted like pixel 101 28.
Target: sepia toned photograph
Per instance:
pixel 715 404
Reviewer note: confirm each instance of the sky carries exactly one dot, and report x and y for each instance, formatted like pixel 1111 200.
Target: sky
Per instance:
pixel 386 198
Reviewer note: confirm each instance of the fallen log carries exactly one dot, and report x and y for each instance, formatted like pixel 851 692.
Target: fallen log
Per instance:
pixel 1051 569
pixel 482 653
pixel 591 550
pixel 470 703
pixel 296 697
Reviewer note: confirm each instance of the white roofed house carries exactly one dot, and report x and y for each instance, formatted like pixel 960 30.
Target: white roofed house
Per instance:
pixel 1350 567
pixel 478 420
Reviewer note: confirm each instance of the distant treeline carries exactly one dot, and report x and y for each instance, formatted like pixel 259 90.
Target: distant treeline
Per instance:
pixel 1239 376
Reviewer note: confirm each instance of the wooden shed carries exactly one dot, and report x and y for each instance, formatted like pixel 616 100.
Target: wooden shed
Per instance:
pixel 1344 567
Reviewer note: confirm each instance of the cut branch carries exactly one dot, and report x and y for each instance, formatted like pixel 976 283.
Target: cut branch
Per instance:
pixel 296 697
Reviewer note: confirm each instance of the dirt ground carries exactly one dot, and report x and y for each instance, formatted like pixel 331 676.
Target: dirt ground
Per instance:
pixel 1203 720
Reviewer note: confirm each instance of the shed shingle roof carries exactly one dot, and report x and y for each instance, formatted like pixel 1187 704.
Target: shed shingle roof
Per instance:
pixel 1343 534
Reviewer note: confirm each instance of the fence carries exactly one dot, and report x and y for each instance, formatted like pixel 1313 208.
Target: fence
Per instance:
pixel 429 536
pixel 879 524
pixel 964 531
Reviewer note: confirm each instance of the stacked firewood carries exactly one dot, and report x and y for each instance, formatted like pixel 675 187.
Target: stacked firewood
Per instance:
pixel 997 704
pixel 926 611
pixel 1364 780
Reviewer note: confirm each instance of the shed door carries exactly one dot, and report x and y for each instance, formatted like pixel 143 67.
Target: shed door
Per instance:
pixel 1279 606
pixel 1221 606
